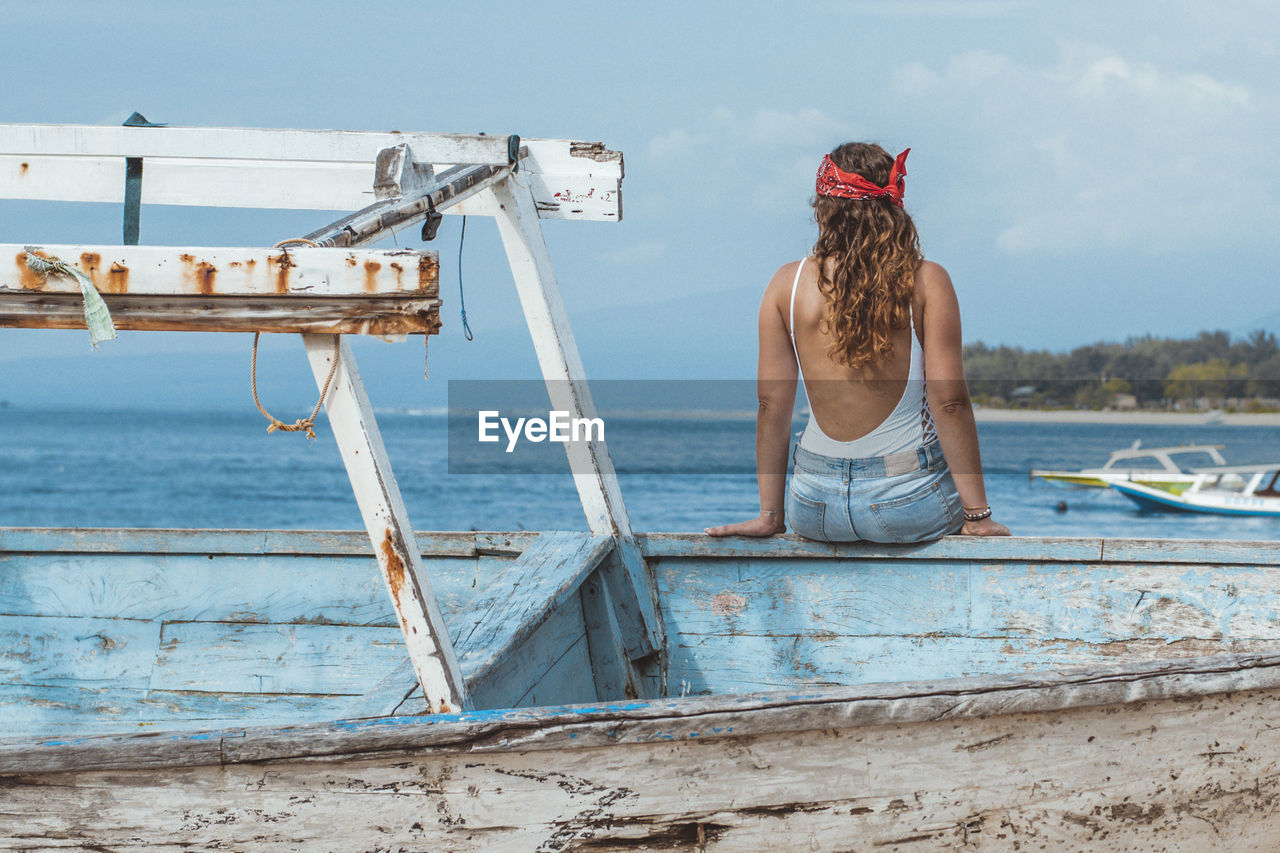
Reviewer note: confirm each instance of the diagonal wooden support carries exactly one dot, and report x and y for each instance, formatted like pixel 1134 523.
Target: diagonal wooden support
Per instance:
pixel 633 591
pixel 387 521
pixel 501 623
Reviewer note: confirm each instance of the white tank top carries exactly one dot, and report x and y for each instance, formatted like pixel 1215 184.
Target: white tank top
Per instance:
pixel 908 426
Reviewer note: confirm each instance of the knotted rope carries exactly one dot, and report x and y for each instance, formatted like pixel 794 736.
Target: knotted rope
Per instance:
pixel 306 424
pixel 97 317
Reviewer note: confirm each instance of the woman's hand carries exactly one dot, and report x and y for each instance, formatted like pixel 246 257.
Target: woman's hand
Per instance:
pixel 986 527
pixel 765 524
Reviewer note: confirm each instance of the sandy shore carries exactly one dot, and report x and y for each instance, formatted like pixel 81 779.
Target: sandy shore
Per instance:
pixel 985 415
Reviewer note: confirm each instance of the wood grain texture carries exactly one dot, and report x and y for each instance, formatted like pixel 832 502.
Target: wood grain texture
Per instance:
pixel 1125 761
pixel 387 317
pixel 516 603
pixel 221 657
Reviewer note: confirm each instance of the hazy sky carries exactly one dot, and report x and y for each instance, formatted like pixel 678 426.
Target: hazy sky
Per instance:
pixel 1086 170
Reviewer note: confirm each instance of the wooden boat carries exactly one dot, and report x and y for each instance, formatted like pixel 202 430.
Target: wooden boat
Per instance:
pixel 587 691
pixel 1160 469
pixel 1025 693
pixel 1228 490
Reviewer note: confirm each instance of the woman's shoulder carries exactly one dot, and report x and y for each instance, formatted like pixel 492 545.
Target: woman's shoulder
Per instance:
pixel 779 286
pixel 932 280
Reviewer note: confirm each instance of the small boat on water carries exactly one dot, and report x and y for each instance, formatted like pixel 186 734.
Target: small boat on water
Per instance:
pixel 596 690
pixel 1157 467
pixel 1228 490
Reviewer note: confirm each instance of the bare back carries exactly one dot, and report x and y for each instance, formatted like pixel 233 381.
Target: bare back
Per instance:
pixel 847 403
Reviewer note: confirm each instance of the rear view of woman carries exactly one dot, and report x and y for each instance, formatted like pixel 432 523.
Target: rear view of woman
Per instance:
pixel 886 457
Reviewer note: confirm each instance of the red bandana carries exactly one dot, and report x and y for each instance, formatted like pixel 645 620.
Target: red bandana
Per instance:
pixel 834 181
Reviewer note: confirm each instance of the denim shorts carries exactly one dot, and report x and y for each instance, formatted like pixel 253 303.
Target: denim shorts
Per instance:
pixel 903 497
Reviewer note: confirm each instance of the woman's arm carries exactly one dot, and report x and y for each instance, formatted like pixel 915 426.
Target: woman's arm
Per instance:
pixel 776 375
pixel 949 396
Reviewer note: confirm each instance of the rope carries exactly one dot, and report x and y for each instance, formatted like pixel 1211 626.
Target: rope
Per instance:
pixel 462 300
pixel 306 424
pixel 284 243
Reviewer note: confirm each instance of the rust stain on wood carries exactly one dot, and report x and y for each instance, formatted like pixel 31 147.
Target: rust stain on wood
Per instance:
pixel 23 167
pixel 428 273
pixel 28 278
pixel 89 264
pixel 371 268
pixel 396 576
pixel 117 279
pixel 280 265
pixel 200 273
pixel 205 272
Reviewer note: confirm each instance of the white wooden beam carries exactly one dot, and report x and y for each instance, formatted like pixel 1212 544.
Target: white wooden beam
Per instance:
pixel 592 468
pixel 154 288
pixel 387 521
pixel 177 271
pixel 252 143
pixel 284 169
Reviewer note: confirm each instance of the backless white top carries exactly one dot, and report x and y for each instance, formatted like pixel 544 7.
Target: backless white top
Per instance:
pixel 908 427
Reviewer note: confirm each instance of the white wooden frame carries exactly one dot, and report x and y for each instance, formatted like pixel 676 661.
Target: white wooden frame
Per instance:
pixel 338 170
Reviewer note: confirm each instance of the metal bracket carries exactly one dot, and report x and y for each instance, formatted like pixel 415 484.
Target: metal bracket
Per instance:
pixel 514 153
pixel 397 173
pixel 133 185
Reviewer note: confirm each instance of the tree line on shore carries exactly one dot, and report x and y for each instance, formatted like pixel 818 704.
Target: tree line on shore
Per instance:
pixel 1208 370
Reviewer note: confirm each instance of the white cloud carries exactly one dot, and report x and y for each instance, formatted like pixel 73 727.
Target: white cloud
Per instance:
pixel 1095 148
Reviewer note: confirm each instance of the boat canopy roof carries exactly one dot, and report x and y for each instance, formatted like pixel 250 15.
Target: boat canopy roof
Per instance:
pixel 1164 454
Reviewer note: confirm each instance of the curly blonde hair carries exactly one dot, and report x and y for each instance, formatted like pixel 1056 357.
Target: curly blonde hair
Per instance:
pixel 874 252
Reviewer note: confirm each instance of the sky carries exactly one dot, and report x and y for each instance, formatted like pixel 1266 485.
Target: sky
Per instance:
pixel 1086 171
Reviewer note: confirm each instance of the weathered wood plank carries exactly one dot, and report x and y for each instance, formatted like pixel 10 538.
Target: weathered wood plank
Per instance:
pixel 387 522
pixel 565 682
pixel 325 543
pixel 665 721
pixel 516 630
pixel 283 169
pixel 515 604
pixel 48 650
pixel 1115 601
pixel 171 271
pixel 65 713
pixel 331 146
pixel 663 545
pixel 385 317
pixel 514 681
pixel 819 596
pixel 947 548
pixel 522 675
pixel 747 663
pixel 220 657
pixel 610 667
pixel 1198 772
pixel 284 588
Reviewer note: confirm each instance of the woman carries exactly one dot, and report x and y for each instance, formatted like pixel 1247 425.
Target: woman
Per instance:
pixel 864 319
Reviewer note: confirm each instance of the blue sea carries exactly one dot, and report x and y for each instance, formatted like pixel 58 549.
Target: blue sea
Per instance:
pixel 221 470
